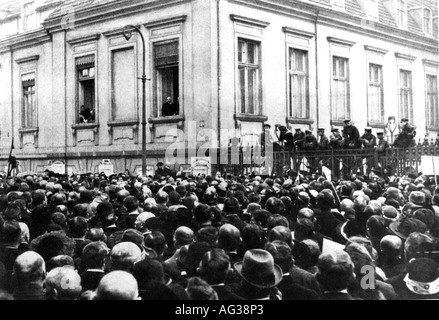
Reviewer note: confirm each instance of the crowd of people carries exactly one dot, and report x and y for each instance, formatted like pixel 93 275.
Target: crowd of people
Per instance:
pixel 178 237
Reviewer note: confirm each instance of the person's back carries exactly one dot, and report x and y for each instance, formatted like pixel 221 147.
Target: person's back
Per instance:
pixel 390 256
pixel 336 273
pixel 55 283
pixel 214 269
pixel 94 257
pixel 117 285
pixel 28 277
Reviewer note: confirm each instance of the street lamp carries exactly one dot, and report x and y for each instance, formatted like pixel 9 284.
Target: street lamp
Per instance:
pixel 127 33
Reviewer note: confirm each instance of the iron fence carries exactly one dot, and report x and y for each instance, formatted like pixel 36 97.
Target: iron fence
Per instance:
pixel 342 163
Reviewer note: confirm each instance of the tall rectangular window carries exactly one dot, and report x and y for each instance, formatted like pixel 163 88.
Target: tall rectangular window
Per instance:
pixel 28 107
pixel 340 88
pixel 29 17
pixel 299 87
pixel 375 93
pixel 427 21
pixel 249 73
pixel 405 94
pixel 123 84
pixel 167 84
pixel 432 101
pixel 401 13
pixel 86 73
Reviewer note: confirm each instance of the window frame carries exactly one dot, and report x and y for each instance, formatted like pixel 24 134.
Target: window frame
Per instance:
pixel 346 79
pixel 407 90
pixel 401 12
pixel 78 84
pixel 24 98
pixel 374 84
pixel 305 74
pixel 27 24
pixel 157 98
pixel 429 116
pixel 258 107
pixel 112 49
pixel 429 30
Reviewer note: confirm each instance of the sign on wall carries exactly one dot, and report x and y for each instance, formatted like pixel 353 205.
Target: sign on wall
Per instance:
pixel 200 166
pixel 106 167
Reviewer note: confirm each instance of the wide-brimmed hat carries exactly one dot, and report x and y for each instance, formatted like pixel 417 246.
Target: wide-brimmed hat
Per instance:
pixel 258 269
pixel 407 226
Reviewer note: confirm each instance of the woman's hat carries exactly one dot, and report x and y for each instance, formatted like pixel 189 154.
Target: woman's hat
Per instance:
pixel 258 269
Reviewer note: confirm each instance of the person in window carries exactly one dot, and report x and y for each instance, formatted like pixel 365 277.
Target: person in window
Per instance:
pixel 169 108
pixel 84 115
pixel 92 116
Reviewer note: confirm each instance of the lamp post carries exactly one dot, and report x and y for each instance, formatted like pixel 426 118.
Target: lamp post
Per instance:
pixel 127 33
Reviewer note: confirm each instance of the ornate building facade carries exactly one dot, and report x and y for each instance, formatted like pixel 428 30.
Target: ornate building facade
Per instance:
pixel 226 67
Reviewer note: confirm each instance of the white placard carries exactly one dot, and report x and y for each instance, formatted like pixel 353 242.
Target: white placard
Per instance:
pixel 200 166
pixel 430 165
pixel 106 167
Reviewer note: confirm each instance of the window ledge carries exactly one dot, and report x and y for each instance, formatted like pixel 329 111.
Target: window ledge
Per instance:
pixel 28 130
pixel 250 117
pixel 379 125
pixel 299 120
pixel 432 128
pixel 171 119
pixel 85 126
pixel 124 123
pixel 338 123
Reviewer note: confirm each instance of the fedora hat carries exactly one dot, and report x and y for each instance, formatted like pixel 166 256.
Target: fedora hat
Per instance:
pixel 258 269
pixel 406 226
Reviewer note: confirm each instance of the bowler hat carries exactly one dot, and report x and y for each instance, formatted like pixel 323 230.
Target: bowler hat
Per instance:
pixel 258 269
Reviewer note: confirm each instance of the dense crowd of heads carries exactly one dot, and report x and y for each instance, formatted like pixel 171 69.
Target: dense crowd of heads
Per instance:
pixel 177 237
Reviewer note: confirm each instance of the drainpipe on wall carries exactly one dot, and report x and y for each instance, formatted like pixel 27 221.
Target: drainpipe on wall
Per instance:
pixel 12 91
pixel 317 69
pixel 218 69
pixel 65 100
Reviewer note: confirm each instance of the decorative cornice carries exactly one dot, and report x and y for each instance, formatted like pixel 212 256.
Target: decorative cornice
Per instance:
pixel 405 56
pixel 11 17
pixel 49 5
pixel 112 10
pixel 430 62
pixel 115 32
pixel 90 38
pixel 166 21
pixel 24 40
pixel 255 22
pixel 28 59
pixel 298 32
pixel 344 21
pixel 375 49
pixel 342 42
